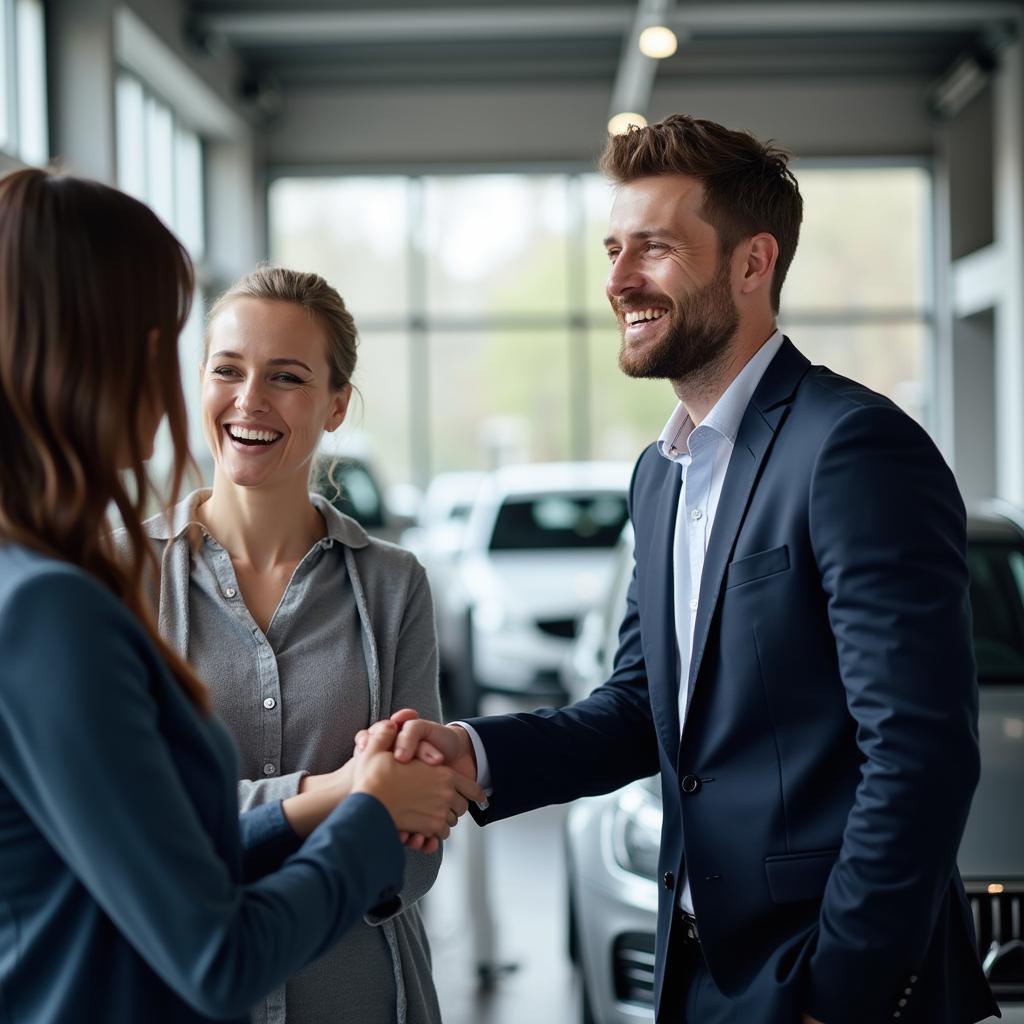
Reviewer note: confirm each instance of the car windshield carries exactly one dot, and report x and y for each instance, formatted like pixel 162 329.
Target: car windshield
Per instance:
pixel 559 521
pixel 997 601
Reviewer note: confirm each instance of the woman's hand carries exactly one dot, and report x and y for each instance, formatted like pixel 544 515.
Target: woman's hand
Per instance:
pixel 318 795
pixel 339 781
pixel 422 799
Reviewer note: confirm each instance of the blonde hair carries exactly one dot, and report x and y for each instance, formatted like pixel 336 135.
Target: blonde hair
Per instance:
pixel 315 296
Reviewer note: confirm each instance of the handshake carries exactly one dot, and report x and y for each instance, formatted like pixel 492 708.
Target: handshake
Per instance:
pixel 424 773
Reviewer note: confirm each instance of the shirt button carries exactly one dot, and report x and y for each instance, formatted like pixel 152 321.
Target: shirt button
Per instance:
pixel 696 514
pixel 902 1002
pixel 269 703
pixel 269 769
pixel 230 592
pixel 913 978
pixel 693 605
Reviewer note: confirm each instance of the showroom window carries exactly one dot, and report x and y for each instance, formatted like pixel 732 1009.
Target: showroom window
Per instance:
pixel 485 333
pixel 23 110
pixel 160 161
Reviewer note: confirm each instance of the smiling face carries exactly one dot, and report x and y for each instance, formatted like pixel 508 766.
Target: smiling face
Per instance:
pixel 267 397
pixel 669 285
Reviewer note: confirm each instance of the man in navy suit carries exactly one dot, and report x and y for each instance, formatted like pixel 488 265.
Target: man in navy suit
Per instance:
pixel 795 657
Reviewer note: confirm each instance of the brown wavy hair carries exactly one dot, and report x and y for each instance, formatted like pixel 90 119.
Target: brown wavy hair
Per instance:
pixel 94 292
pixel 748 186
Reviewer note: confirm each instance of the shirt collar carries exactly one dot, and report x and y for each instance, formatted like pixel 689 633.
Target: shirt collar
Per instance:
pixel 727 413
pixel 340 528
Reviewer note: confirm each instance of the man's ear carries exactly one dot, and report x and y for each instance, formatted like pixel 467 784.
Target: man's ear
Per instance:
pixel 762 253
pixel 339 408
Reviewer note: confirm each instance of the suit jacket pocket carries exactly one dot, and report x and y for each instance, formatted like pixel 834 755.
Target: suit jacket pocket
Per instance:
pixel 799 876
pixel 755 567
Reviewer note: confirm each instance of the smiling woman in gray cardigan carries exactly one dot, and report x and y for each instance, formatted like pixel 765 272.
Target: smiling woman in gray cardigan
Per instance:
pixel 306 629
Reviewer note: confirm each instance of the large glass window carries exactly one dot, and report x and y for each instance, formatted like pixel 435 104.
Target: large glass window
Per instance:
pixel 500 346
pixel 160 161
pixel 23 108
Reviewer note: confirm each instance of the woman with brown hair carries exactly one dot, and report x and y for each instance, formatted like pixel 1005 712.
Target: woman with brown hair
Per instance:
pixel 308 629
pixel 130 889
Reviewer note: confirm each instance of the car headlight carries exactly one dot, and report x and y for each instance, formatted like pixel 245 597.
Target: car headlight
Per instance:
pixel 636 831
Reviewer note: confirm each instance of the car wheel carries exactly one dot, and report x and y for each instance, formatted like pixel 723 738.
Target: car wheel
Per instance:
pixel 572 935
pixel 465 689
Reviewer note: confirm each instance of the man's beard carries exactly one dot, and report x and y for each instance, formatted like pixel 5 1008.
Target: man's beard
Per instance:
pixel 696 342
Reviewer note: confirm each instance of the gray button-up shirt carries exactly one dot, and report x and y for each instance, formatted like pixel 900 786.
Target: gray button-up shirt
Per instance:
pixel 351 641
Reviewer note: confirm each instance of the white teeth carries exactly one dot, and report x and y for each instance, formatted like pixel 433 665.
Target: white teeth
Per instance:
pixel 244 434
pixel 637 315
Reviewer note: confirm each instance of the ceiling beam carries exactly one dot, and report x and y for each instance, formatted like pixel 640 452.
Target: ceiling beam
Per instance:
pixel 789 16
pixel 424 25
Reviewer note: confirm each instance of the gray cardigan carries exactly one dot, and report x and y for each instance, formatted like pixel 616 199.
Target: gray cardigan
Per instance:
pixel 386 615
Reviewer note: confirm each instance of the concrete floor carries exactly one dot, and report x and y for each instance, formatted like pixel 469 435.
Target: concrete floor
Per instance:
pixel 527 898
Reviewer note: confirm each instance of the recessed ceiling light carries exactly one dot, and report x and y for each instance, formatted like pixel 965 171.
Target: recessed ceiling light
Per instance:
pixel 619 124
pixel 658 41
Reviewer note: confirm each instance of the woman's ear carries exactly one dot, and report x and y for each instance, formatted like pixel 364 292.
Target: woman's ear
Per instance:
pixel 338 408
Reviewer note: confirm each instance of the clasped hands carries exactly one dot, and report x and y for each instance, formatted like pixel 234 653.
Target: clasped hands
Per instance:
pixel 423 772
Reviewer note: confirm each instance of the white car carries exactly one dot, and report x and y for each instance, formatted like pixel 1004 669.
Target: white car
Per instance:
pixel 437 540
pixel 612 841
pixel 536 555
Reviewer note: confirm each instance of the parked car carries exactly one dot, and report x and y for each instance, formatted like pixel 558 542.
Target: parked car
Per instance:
pixel 612 841
pixel 350 484
pixel 437 540
pixel 537 549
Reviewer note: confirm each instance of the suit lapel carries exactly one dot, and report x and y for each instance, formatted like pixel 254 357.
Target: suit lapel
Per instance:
pixel 660 607
pixel 763 417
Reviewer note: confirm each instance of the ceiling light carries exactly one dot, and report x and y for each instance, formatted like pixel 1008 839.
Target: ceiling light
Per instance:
pixel 620 123
pixel 658 41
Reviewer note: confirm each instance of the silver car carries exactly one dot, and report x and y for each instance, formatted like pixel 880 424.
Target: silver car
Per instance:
pixel 612 841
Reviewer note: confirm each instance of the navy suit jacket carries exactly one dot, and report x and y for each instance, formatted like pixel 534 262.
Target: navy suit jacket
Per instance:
pixel 817 797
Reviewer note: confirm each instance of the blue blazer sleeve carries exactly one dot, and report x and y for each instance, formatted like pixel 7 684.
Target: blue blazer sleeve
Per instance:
pixel 889 535
pixel 85 749
pixel 267 840
pixel 594 746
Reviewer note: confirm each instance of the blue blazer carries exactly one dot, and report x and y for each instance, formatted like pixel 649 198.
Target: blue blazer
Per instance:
pixel 129 889
pixel 817 797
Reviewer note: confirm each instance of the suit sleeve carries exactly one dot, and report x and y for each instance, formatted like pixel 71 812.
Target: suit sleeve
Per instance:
pixel 84 752
pixel 594 746
pixel 889 534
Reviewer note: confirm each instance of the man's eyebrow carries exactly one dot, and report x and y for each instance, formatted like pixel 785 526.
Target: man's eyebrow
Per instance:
pixel 611 239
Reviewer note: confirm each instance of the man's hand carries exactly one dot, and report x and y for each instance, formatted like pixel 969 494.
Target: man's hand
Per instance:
pixel 430 742
pixel 422 798
pixel 425 741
